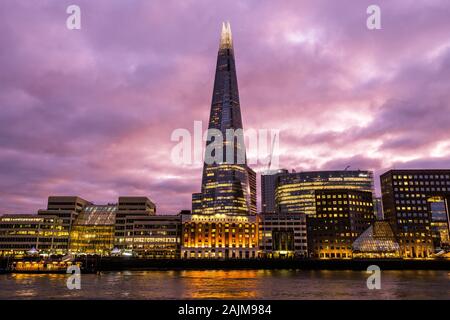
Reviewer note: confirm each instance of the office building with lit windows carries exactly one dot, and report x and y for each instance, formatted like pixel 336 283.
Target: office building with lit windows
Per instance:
pixel 22 235
pixel 228 183
pixel 153 237
pixel 130 209
pixel 409 197
pixel 282 235
pixel 295 191
pixel 197 203
pixel 129 227
pixel 66 208
pixel 340 217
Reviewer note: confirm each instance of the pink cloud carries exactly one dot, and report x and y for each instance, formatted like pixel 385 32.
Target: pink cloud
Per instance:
pixel 90 112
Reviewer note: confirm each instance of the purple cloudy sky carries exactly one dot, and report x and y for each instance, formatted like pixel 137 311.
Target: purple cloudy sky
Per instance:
pixel 90 112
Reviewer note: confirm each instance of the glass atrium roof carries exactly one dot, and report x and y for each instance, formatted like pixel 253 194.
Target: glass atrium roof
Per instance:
pixel 103 215
pixel 379 237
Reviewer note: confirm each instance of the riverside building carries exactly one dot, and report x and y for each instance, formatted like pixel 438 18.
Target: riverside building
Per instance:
pixel 129 227
pixel 282 235
pixel 340 217
pixel 66 208
pixel 154 237
pixel 408 198
pixel 219 236
pixel 22 235
pixel 93 230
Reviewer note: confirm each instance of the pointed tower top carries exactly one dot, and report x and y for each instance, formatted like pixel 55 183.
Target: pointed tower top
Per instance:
pixel 226 40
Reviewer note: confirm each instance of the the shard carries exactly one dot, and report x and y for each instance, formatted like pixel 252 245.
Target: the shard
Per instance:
pixel 228 184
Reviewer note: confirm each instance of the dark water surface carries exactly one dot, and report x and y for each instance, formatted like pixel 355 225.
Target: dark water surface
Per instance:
pixel 229 284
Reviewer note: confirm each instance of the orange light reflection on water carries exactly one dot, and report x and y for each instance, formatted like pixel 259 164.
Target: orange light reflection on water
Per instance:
pixel 221 284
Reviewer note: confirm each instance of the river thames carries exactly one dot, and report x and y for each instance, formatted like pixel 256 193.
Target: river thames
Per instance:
pixel 229 284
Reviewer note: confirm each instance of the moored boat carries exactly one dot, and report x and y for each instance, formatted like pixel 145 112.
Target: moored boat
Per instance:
pixel 41 266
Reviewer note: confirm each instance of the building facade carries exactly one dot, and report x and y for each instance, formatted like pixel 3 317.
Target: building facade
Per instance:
pixel 407 199
pixel 439 224
pixel 153 237
pixel 197 203
pixel 66 208
pixel 282 235
pixel 93 230
pixel 130 209
pixel 340 217
pixel 378 208
pixel 128 227
pixel 140 232
pixel 268 187
pixel 21 235
pixel 219 236
pixel 295 191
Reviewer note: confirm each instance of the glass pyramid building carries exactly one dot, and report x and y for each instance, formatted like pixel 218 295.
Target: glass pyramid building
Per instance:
pixel 378 241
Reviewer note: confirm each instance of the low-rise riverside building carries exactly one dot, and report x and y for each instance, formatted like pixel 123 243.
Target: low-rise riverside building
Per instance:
pixel 66 208
pixel 130 209
pixel 156 236
pixel 282 235
pixel 22 235
pixel 79 227
pixel 140 232
pixel 219 236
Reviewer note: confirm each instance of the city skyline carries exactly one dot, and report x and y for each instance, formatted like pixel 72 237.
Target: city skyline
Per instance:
pixel 90 112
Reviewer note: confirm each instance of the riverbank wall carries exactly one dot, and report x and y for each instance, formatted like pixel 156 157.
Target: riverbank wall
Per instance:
pixel 97 264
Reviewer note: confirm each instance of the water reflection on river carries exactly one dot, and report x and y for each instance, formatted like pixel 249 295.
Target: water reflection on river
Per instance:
pixel 230 284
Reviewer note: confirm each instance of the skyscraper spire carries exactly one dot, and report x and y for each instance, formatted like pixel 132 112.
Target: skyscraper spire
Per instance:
pixel 226 40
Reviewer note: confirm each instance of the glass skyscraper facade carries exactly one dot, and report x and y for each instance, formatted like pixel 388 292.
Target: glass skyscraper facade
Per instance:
pixel 295 191
pixel 268 186
pixel 228 184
